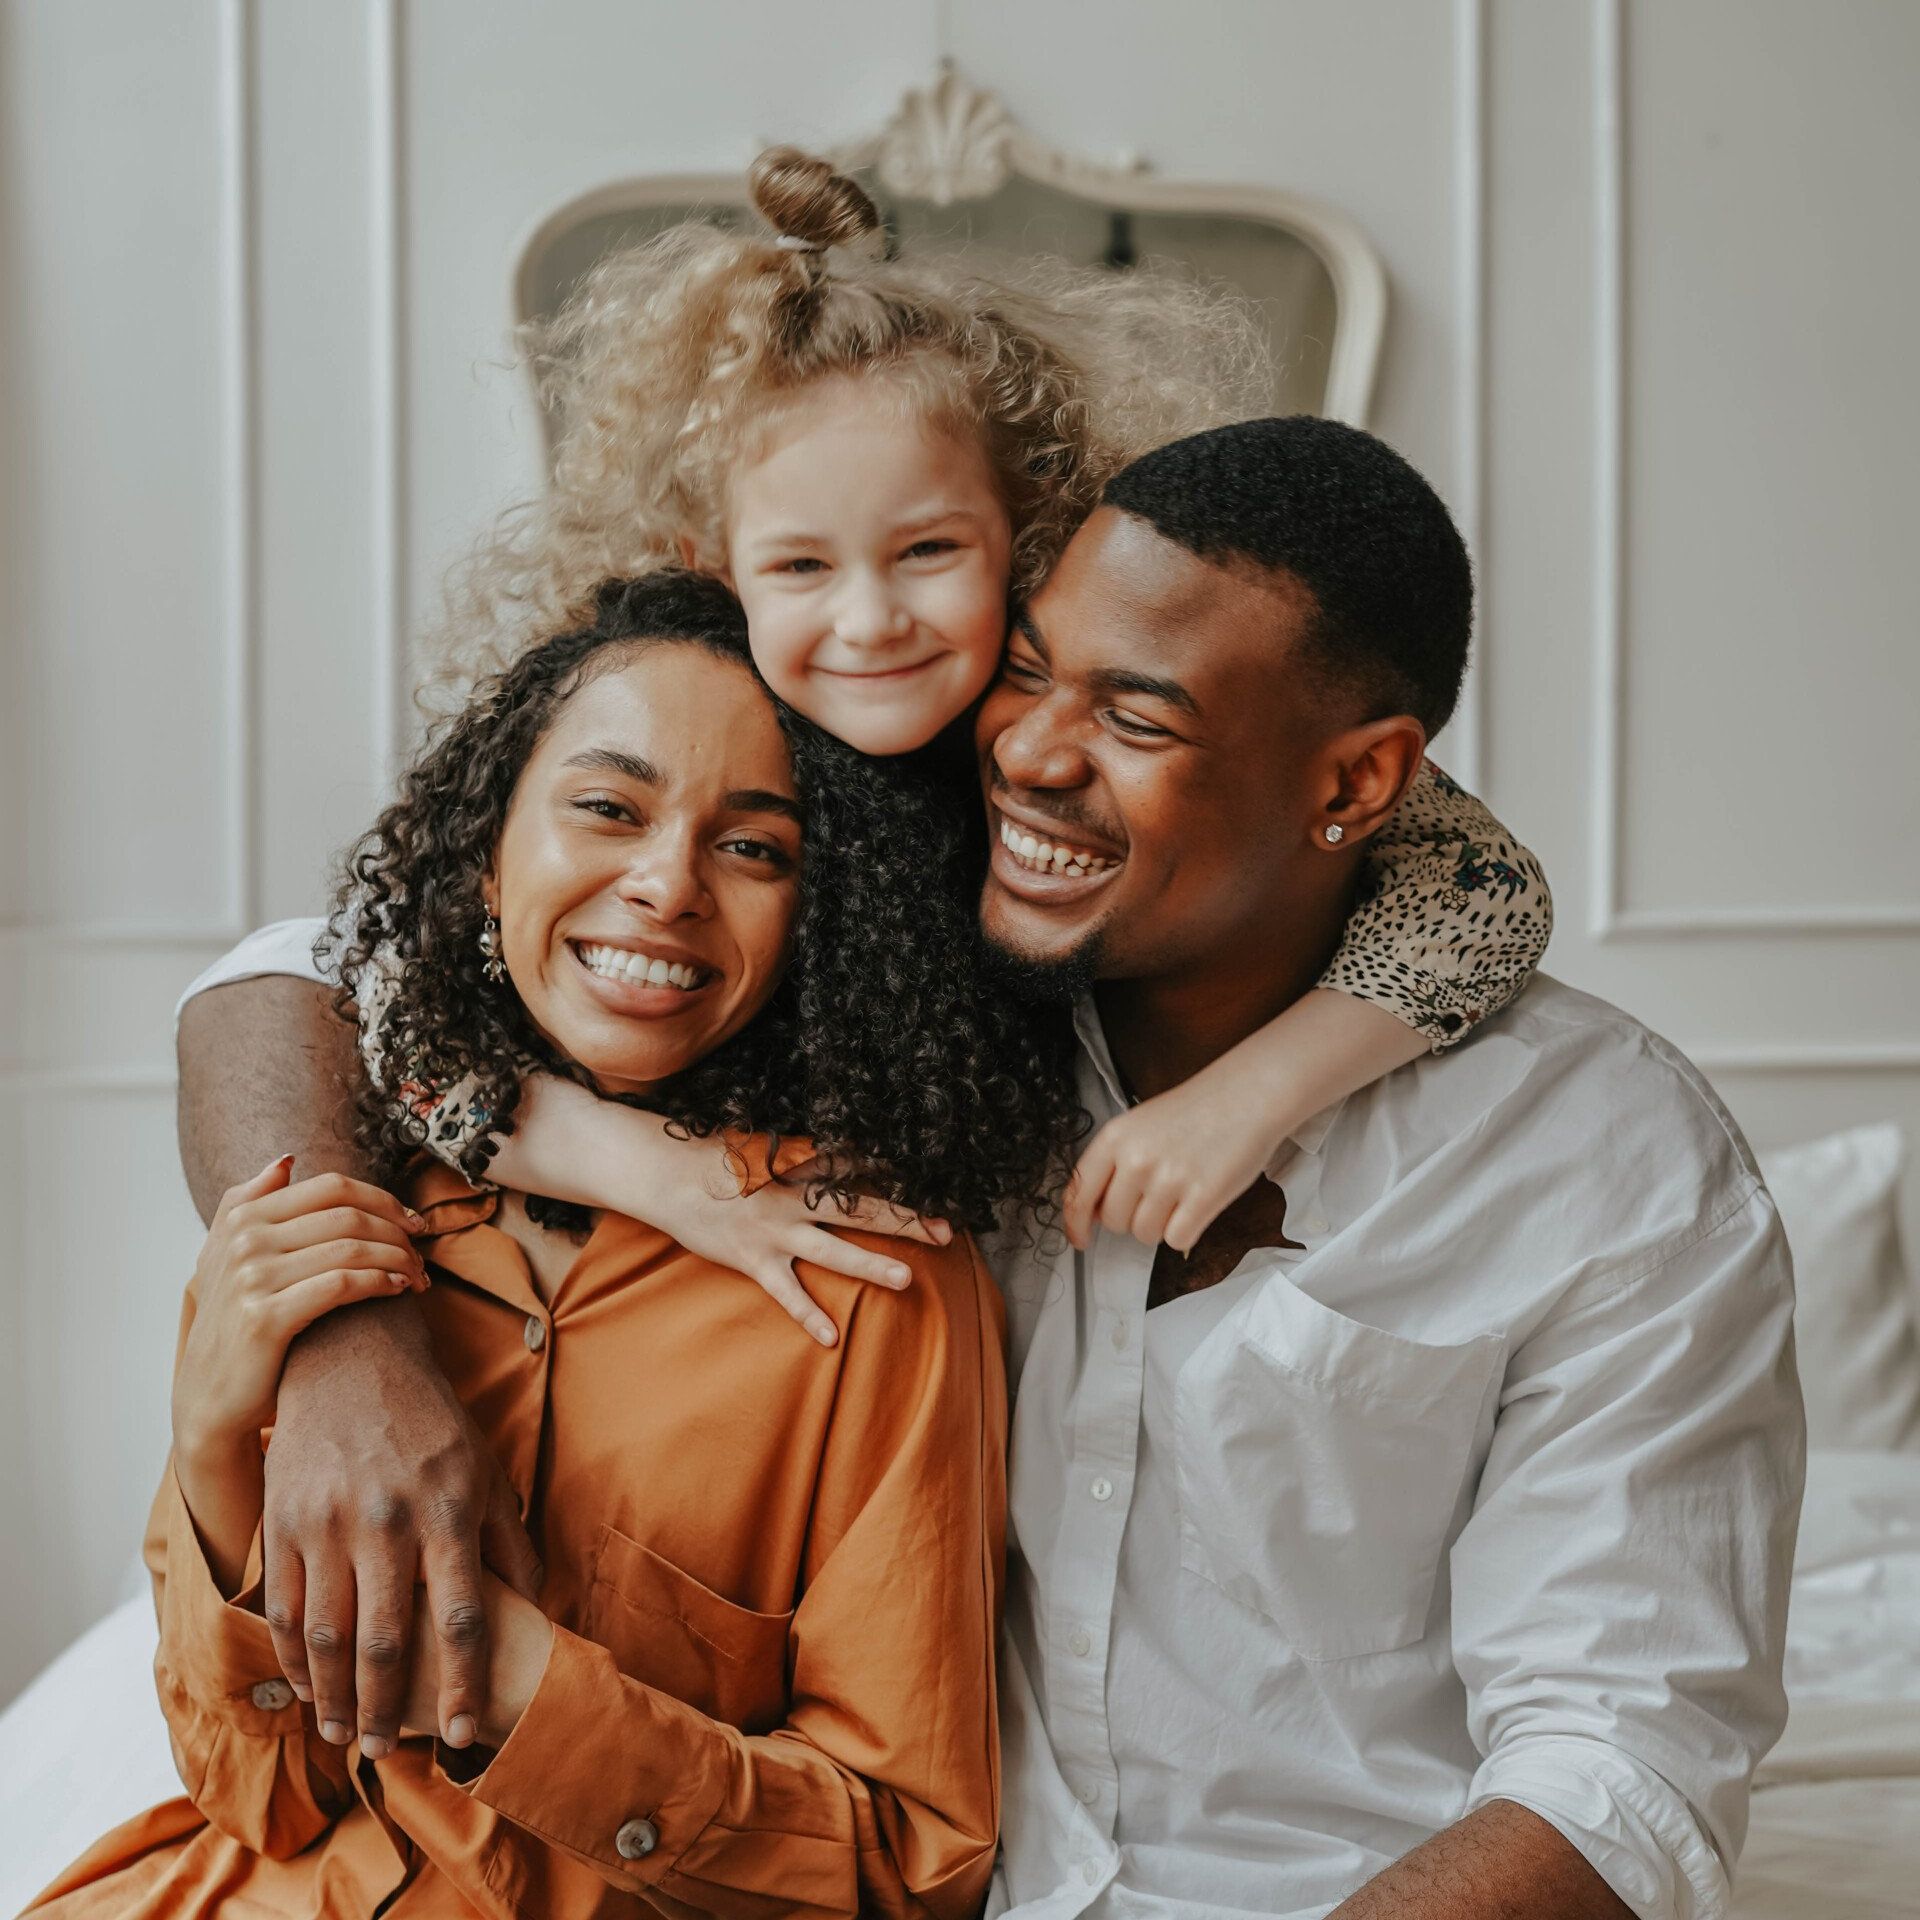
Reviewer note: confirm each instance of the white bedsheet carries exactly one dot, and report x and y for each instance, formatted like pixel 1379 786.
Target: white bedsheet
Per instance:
pixel 1836 1809
pixel 1835 1832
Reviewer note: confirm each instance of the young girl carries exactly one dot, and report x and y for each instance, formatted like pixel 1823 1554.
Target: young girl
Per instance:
pixel 879 456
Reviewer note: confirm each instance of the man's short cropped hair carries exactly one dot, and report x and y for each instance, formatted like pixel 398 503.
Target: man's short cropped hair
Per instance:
pixel 1349 520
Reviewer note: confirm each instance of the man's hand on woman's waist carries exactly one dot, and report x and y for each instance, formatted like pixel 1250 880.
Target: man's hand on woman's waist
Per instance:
pixel 377 1479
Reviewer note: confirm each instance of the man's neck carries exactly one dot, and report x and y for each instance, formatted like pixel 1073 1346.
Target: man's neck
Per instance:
pixel 1163 1029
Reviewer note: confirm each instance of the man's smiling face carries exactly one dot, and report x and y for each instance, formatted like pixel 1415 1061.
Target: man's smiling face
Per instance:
pixel 1147 758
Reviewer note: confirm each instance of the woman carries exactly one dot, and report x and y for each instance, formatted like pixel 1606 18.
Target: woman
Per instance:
pixel 760 1674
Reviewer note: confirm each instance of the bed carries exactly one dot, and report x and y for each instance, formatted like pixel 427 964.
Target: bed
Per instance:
pixel 1835 1827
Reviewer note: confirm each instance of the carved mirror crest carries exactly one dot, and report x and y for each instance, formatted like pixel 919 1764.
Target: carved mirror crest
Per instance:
pixel 953 165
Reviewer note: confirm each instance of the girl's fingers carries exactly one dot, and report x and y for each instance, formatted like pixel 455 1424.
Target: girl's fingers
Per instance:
pixel 297 1307
pixel 1086 1190
pixel 873 1215
pixel 1120 1202
pixel 1189 1220
pixel 828 1250
pixel 1149 1222
pixel 777 1280
pixel 1178 1232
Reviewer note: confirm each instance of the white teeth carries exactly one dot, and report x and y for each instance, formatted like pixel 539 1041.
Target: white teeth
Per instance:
pixel 1042 856
pixel 638 970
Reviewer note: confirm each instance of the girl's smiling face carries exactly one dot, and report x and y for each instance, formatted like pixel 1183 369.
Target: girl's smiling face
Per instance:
pixel 870 551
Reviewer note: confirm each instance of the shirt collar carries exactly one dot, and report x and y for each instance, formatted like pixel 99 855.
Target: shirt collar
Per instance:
pixel 1308 1137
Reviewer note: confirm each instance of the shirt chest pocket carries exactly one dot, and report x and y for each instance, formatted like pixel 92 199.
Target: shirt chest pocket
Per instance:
pixel 664 1628
pixel 1320 1462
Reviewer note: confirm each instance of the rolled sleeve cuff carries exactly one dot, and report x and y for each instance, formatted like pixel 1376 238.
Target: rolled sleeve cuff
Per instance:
pixel 285 946
pixel 595 1756
pixel 1633 1828
pixel 218 1652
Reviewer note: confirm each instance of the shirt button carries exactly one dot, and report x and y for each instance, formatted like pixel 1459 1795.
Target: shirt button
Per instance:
pixel 1090 1873
pixel 534 1333
pixel 1102 1489
pixel 1080 1642
pixel 271 1695
pixel 1314 1223
pixel 1119 1335
pixel 1089 1795
pixel 636 1839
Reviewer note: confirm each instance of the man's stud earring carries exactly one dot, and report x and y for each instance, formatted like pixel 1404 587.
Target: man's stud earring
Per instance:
pixel 495 968
pixel 1335 833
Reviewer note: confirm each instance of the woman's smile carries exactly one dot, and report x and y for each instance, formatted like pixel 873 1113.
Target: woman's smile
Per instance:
pixel 646 877
pixel 645 981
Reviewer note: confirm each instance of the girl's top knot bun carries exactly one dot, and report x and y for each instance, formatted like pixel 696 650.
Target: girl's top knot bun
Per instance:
pixel 802 198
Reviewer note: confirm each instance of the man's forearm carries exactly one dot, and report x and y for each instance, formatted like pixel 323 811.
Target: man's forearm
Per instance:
pixel 266 1067
pixel 1500 1863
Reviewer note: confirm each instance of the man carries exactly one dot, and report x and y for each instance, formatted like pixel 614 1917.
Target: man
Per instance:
pixel 1419 1544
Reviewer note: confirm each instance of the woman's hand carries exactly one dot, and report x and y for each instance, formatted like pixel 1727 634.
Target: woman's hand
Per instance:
pixel 596 1153
pixel 277 1257
pixel 519 1638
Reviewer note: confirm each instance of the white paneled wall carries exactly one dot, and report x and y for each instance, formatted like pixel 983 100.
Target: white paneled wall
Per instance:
pixel 1648 336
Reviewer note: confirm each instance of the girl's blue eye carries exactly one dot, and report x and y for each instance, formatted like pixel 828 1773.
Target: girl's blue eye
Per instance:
pixel 925 549
pixel 802 563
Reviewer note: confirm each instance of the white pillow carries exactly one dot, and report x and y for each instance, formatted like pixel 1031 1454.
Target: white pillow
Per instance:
pixel 1854 1320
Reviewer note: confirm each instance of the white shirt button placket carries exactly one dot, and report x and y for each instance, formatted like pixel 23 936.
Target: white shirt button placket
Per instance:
pixel 1114 1277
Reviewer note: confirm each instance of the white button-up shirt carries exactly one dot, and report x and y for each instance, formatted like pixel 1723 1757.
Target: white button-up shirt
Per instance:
pixel 1489 1492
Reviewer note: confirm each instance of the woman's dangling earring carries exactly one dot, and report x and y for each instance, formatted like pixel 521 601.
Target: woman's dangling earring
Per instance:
pixel 1335 833
pixel 495 968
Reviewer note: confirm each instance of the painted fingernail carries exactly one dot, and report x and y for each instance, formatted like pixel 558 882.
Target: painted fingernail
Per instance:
pixel 336 1731
pixel 460 1730
pixel 822 1330
pixel 280 1160
pixel 899 1276
pixel 941 1231
pixel 376 1746
pixel 414 1220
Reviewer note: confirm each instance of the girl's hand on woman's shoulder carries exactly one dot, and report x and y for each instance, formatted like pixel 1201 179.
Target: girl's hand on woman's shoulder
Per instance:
pixel 762 1234
pixel 570 1144
pixel 278 1255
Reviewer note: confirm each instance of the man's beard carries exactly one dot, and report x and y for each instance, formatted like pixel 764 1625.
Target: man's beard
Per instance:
pixel 1055 980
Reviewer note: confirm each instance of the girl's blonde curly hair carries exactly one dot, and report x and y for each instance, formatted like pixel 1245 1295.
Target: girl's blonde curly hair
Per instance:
pixel 674 360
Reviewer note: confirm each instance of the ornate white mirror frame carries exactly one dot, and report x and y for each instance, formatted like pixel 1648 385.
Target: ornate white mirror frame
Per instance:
pixel 951 143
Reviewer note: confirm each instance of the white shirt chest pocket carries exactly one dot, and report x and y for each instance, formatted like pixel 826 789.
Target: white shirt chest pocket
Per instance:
pixel 1320 1462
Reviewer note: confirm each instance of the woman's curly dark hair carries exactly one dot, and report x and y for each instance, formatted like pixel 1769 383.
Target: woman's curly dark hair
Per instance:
pixel 892 1041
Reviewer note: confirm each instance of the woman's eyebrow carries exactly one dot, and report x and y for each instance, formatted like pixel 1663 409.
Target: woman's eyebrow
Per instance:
pixel 612 760
pixel 759 800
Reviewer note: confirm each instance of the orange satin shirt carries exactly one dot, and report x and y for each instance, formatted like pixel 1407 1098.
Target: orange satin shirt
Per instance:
pixel 774 1571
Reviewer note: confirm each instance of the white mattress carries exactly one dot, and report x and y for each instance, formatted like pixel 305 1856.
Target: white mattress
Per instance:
pixel 1835 1832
